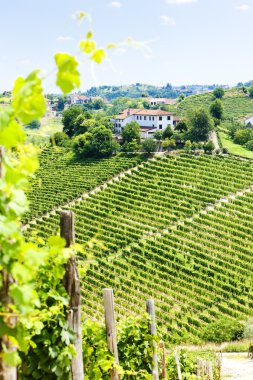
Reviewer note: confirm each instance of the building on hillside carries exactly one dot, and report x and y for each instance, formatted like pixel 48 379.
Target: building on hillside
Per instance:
pixel 78 99
pixel 149 120
pixel 160 101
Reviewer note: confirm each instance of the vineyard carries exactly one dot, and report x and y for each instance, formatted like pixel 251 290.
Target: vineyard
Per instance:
pixel 176 229
pixel 236 104
pixel 61 178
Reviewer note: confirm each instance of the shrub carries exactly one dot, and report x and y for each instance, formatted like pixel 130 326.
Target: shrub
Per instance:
pixel 60 139
pixel 208 147
pixel 149 146
pixel 219 93
pixel 225 150
pixel 223 330
pixel 249 145
pixel 168 132
pixel 242 136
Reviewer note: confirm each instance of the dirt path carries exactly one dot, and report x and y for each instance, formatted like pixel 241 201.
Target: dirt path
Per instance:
pixel 213 136
pixel 237 366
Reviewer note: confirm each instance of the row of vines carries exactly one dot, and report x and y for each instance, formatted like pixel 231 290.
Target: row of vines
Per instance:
pixel 151 238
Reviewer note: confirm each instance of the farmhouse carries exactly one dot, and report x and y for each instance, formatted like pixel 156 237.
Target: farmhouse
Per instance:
pixel 78 99
pixel 149 120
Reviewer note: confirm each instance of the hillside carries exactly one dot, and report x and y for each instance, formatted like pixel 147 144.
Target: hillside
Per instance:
pixel 178 229
pixel 236 104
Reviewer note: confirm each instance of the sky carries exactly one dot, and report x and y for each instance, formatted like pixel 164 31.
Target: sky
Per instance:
pixel 179 41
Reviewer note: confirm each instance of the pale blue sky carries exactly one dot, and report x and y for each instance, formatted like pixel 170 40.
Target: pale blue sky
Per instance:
pixel 191 41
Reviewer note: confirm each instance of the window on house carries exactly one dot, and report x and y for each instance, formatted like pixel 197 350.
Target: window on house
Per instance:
pixel 145 117
pixel 160 117
pixel 153 118
pixel 137 117
pixel 140 117
pixel 160 126
pixel 168 117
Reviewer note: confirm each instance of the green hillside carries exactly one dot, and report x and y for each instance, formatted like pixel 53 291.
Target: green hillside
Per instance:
pixel 62 178
pixel 236 104
pixel 179 230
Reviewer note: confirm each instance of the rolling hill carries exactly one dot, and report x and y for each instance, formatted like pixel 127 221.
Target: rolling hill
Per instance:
pixel 177 229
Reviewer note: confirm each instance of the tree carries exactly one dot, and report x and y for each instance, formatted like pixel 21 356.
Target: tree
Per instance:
pixel 35 124
pixel 158 135
pixel 216 109
pixel 201 125
pixel 168 132
pixel 251 92
pixel 97 143
pixel 219 93
pixel 132 146
pixel 188 146
pixel 208 147
pixel 131 132
pixel 59 139
pixel 103 143
pixel 69 118
pixel 149 146
pixel 169 144
pixel 242 136
pixel 181 97
pixel 61 103
pixel 181 126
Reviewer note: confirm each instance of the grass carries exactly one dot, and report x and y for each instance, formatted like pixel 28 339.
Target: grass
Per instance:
pixel 234 148
pixel 48 127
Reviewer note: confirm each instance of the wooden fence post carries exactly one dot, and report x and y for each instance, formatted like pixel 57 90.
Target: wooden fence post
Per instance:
pixel 72 285
pixel 178 365
pixel 111 333
pixel 198 369
pixel 152 329
pixel 162 347
pixel 6 372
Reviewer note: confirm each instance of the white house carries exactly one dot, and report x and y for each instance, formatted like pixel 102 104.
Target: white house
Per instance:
pixel 149 120
pixel 159 101
pixel 78 99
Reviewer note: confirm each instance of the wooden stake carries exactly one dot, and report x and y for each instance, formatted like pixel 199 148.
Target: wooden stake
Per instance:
pixel 198 369
pixel 152 329
pixel 6 372
pixel 178 365
pixel 111 333
pixel 72 285
pixel 210 372
pixel 162 347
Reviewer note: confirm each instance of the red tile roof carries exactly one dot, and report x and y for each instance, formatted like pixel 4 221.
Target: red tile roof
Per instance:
pixel 145 112
pixel 128 112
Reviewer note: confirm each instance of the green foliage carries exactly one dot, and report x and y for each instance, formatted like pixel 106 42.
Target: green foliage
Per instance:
pixel 61 101
pixel 201 125
pixel 35 124
pixel 96 357
pixel 132 146
pixel 168 132
pixel 188 146
pixel 131 132
pixel 187 365
pixel 251 92
pixel 158 135
pixel 219 93
pixel 60 139
pixel 249 145
pixel 216 109
pixel 169 143
pixel 223 330
pixel 208 147
pixel 69 119
pixel 149 146
pixel 68 78
pixel 135 346
pixel 97 143
pixel 242 136
pixel 181 126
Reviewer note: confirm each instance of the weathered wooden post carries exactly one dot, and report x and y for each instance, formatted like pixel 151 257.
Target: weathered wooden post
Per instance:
pixel 178 365
pixel 72 285
pixel 111 333
pixel 210 370
pixel 198 369
pixel 150 305
pixel 6 372
pixel 219 364
pixel 162 347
